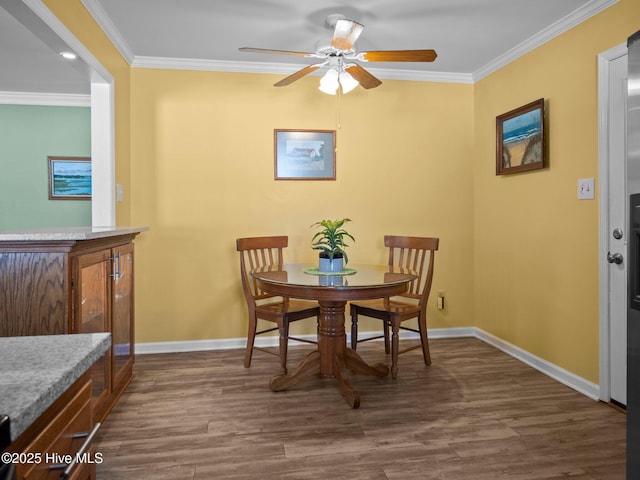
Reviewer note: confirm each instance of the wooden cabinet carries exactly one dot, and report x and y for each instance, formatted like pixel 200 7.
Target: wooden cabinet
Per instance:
pixel 74 286
pixel 60 440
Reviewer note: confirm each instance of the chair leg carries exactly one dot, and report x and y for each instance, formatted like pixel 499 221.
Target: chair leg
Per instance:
pixel 251 336
pixel 354 329
pixel 422 326
pixel 385 329
pixel 395 347
pixel 283 328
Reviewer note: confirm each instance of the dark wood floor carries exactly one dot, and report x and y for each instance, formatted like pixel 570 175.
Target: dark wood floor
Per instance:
pixel 475 414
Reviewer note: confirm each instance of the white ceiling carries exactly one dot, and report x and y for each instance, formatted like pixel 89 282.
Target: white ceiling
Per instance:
pixel 472 37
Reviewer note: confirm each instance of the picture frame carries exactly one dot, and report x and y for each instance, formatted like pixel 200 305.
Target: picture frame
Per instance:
pixel 520 139
pixel 304 154
pixel 69 178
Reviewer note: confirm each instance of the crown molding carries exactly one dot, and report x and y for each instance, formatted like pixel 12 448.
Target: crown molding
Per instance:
pixel 214 65
pixel 288 69
pixel 47 99
pixel 574 18
pixel 421 76
pixel 101 17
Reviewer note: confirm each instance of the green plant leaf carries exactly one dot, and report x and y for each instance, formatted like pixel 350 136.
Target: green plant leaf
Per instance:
pixel 330 239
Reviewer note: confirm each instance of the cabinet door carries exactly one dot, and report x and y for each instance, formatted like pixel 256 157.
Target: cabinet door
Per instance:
pixel 92 315
pixel 122 315
pixel 33 294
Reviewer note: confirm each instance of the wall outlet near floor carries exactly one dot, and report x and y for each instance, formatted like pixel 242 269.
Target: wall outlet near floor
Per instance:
pixel 440 300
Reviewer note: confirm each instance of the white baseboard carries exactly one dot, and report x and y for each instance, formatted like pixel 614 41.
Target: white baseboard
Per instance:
pixel 272 341
pixel 196 345
pixel 563 376
pixel 559 374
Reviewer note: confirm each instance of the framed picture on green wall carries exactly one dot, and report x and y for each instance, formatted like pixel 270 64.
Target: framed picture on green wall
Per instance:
pixel 69 178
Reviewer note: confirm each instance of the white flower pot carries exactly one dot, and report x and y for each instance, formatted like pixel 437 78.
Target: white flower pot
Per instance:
pixel 334 264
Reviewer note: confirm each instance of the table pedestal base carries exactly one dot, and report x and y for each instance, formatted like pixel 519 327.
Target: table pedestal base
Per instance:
pixel 333 358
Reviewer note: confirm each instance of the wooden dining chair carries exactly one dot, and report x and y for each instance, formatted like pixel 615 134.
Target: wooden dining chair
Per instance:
pixel 417 254
pixel 260 252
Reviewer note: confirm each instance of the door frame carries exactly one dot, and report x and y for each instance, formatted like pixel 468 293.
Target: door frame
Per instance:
pixel 604 60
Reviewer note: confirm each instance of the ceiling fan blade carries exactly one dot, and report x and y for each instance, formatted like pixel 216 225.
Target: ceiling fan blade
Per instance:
pixel 345 34
pixel 398 56
pixel 297 75
pixel 363 77
pixel 278 52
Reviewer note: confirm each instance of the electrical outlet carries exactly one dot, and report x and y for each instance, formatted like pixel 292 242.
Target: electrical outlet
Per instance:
pixel 440 300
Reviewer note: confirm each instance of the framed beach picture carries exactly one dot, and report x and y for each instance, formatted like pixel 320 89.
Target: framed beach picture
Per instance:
pixel 520 139
pixel 305 154
pixel 69 178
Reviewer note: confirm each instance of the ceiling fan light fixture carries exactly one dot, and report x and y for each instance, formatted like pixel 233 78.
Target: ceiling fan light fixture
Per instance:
pixel 340 50
pixel 329 82
pixel 347 82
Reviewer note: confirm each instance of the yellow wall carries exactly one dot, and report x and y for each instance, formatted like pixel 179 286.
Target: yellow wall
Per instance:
pixel 203 175
pixel 518 254
pixel 536 245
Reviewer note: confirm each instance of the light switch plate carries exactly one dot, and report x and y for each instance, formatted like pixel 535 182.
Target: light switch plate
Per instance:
pixel 586 189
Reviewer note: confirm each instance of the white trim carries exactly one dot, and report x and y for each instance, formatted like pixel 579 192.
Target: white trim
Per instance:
pixel 288 68
pixel 47 99
pixel 604 60
pixel 576 17
pixel 421 76
pixel 214 65
pixel 272 341
pixel 103 171
pixel 435 333
pixel 559 374
pixel 196 345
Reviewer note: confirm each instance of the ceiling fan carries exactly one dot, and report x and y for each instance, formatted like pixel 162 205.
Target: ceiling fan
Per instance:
pixel 341 56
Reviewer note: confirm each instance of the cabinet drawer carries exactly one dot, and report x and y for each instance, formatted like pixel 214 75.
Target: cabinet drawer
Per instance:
pixel 57 440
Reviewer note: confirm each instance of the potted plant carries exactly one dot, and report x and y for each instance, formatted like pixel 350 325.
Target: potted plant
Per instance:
pixel 330 240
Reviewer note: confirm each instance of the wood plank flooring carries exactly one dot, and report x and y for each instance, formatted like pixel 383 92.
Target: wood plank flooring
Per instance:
pixel 474 414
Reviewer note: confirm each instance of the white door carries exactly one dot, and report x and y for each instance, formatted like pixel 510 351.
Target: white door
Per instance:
pixel 617 231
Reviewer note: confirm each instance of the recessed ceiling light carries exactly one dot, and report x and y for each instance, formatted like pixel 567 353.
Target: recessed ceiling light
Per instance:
pixel 68 55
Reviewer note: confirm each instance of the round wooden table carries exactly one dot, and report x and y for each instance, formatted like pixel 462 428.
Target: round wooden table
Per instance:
pixel 332 292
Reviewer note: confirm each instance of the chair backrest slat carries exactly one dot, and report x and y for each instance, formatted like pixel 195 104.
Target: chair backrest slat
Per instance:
pixel 256 253
pixel 412 253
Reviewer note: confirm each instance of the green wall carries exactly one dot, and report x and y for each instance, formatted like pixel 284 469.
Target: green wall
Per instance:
pixel 28 134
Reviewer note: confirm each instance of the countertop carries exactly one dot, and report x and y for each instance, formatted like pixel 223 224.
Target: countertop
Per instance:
pixel 66 233
pixel 35 371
